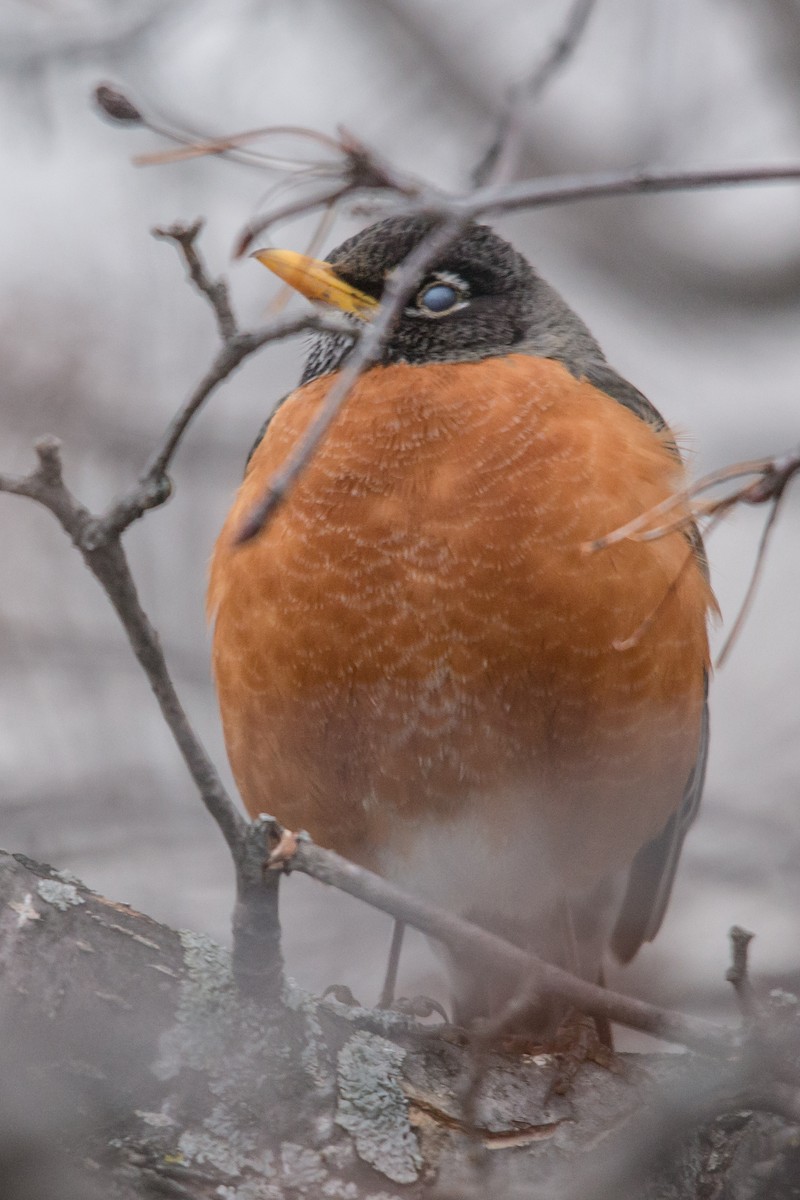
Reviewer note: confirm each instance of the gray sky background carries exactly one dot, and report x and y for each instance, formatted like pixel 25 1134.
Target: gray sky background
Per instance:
pixel 695 298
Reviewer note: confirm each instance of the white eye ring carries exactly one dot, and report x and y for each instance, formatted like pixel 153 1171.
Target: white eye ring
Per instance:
pixel 440 296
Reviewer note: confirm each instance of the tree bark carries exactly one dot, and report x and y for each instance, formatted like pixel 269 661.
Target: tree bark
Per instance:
pixel 132 1066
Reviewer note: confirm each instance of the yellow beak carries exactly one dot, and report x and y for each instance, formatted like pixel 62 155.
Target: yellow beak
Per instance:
pixel 317 281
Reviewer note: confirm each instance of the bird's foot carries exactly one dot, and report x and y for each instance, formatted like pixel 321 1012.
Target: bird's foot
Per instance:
pixel 419 1007
pixel 578 1040
pixel 342 994
pixel 283 847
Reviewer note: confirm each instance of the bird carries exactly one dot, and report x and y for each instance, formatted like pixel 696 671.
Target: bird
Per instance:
pixel 422 661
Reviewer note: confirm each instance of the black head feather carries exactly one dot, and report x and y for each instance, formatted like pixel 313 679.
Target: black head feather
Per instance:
pixel 504 307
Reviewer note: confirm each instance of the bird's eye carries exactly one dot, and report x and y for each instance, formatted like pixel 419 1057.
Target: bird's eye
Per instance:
pixel 439 298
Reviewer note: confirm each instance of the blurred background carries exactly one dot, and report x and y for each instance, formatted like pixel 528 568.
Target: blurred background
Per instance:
pixel 695 298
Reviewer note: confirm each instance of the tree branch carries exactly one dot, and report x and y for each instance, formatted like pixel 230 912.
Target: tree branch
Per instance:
pixel 567 189
pixel 495 162
pixel 772 477
pixel 215 290
pixel 257 957
pixel 361 169
pixel 399 286
pixel 737 974
pixel 109 565
pixel 154 487
pixel 298 853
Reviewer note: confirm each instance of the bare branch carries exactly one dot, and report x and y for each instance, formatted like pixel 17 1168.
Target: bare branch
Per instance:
pixel 229 358
pixel 108 564
pixel 118 107
pixel 257 956
pixel 216 290
pixel 361 169
pixel 373 338
pixel 257 932
pixel 472 941
pixel 257 943
pixel 637 529
pixel 567 189
pixel 737 973
pixel 235 141
pixel 649 620
pixel 154 486
pixel 772 477
pixel 421 198
pixel 497 161
pixel 390 981
pixel 295 208
pixel 755 578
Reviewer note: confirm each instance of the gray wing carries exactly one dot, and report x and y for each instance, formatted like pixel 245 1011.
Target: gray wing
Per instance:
pixel 607 380
pixel 653 870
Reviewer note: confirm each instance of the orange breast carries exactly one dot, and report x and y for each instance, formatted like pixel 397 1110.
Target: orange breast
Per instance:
pixel 420 634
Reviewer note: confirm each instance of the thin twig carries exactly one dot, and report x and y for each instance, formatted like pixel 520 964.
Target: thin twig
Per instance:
pixel 363 169
pixel 226 362
pixel 477 944
pixel 234 141
pixel 772 477
pixel 737 973
pixel 373 338
pixel 755 579
pixel 118 107
pixel 216 290
pixel 108 564
pixel 154 487
pixel 640 523
pixel 327 198
pixel 496 162
pixel 421 199
pixel 390 979
pixel 569 189
pixel 633 639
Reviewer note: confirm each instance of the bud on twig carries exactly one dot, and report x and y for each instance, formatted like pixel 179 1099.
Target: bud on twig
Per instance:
pixel 116 106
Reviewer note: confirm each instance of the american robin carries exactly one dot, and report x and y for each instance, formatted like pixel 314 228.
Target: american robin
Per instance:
pixel 419 662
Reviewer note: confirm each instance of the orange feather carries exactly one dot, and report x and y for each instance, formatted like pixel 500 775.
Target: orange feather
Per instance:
pixel 419 636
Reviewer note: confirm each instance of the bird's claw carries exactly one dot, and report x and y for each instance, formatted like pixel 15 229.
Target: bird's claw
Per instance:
pixel 342 994
pixel 284 850
pixel 420 1007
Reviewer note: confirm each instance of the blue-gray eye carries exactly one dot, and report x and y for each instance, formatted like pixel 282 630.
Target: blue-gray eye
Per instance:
pixel 438 298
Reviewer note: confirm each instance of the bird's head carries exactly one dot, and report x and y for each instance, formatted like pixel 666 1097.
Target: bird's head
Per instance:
pixel 479 299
